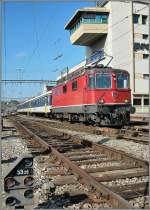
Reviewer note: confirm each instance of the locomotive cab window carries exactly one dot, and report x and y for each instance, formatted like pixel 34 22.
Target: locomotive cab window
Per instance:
pixel 65 89
pixel 122 81
pixel 74 85
pixel 103 81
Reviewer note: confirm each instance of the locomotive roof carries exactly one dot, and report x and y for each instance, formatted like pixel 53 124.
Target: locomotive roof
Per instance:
pixel 88 70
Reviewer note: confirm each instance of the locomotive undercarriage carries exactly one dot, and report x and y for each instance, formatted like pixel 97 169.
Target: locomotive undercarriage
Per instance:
pixel 110 115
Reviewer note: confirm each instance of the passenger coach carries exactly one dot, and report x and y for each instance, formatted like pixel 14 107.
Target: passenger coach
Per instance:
pixel 40 105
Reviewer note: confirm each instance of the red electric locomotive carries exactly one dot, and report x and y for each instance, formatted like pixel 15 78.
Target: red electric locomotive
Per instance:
pixel 95 95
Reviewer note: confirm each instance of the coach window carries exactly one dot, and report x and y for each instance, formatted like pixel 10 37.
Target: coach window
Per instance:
pixel 103 81
pixel 137 101
pixel 32 103
pixel 38 102
pixel 91 82
pixel 65 89
pixel 74 85
pixel 43 101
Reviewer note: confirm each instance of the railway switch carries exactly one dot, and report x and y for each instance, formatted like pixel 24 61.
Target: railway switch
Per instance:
pixel 19 183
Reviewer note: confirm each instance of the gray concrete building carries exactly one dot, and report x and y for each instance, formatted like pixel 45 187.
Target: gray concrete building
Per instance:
pixel 121 29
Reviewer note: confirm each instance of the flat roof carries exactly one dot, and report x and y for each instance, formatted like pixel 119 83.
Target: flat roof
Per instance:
pixel 103 2
pixel 83 10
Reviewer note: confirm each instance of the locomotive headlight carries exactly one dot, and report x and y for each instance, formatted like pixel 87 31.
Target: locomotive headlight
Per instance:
pixel 126 100
pixel 101 101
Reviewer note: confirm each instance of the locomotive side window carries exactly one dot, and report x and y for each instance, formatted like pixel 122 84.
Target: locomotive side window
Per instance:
pixel 74 85
pixel 65 89
pixel 57 92
pixel 103 81
pixel 91 82
pixel 122 81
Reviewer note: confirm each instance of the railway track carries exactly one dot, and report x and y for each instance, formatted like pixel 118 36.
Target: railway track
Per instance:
pixel 138 134
pixel 101 169
pixel 135 133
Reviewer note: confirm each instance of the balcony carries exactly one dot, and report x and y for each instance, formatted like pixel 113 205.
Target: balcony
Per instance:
pixel 87 26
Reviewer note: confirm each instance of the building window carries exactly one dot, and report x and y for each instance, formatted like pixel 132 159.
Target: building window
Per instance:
pixel 145 76
pixel 137 101
pixel 145 36
pixel 65 89
pixel 146 101
pixel 89 19
pixel 136 18
pixel 140 46
pixel 74 85
pixel 144 19
pixel 145 56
